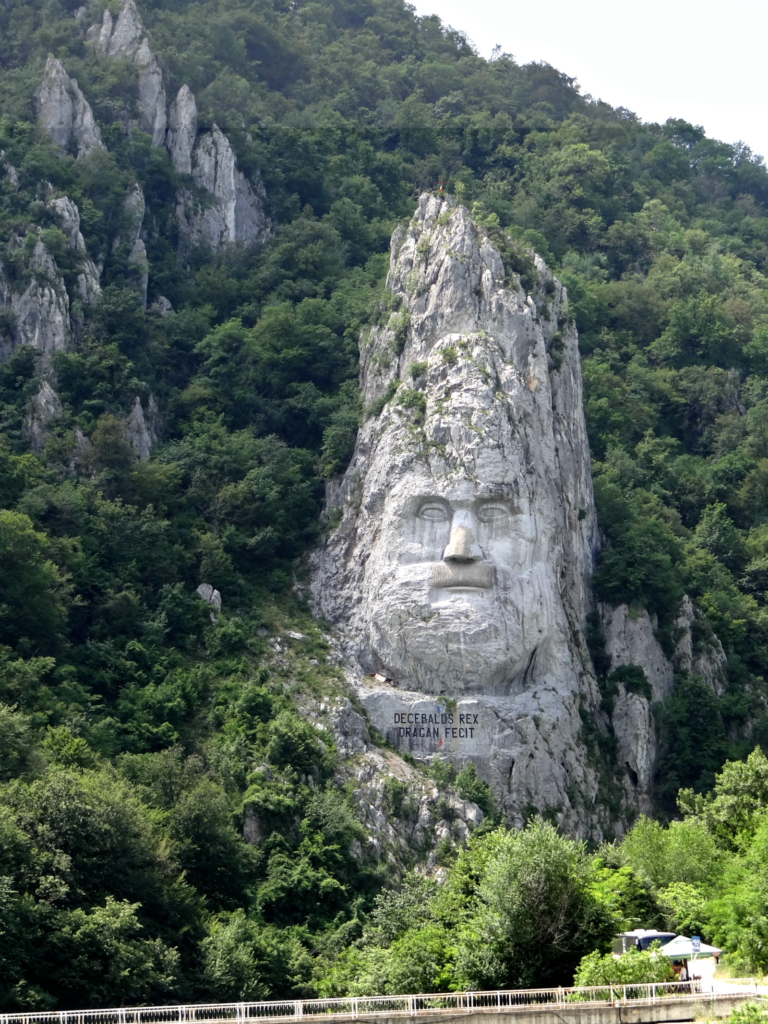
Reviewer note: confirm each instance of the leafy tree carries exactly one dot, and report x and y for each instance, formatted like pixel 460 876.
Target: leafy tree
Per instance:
pixel 635 967
pixel 536 914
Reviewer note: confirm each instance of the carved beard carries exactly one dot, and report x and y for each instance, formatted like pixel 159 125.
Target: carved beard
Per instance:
pixel 455 640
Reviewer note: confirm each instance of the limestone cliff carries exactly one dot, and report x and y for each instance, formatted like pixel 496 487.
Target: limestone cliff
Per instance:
pixel 234 211
pixel 125 37
pixel 228 207
pixel 459 575
pixel 38 306
pixel 630 639
pixel 64 112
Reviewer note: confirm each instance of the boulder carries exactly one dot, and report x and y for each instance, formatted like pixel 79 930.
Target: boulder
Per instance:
pixel 212 597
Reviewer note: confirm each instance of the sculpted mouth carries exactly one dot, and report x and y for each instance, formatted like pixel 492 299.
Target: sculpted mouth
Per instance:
pixel 462 574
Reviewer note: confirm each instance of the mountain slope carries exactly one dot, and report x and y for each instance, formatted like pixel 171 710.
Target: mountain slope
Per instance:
pixel 179 380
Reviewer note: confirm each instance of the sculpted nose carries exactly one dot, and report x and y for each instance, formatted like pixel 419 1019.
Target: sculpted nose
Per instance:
pixel 463 546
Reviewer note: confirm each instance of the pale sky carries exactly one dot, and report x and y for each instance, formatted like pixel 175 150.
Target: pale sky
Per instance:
pixel 701 61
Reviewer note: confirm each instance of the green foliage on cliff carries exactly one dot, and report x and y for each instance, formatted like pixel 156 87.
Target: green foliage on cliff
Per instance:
pixel 137 738
pixel 517 910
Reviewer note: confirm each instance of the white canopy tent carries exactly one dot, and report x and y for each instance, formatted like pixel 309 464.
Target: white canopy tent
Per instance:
pixel 681 948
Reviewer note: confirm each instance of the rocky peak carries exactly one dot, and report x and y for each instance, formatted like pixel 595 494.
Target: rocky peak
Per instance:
pixel 182 130
pixel 134 207
pixel 39 315
pixel 141 430
pixel 68 218
pixel 236 213
pixel 64 111
pixel 120 38
pixel 126 38
pixel 459 575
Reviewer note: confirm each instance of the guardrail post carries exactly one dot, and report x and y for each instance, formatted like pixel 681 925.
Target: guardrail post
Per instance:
pixel 653 993
pixel 299 1008
pixel 610 987
pixel 412 1005
pixel 354 1008
pixel 498 1002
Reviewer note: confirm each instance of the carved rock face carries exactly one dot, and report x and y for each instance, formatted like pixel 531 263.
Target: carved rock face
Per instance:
pixel 469 526
pixel 459 574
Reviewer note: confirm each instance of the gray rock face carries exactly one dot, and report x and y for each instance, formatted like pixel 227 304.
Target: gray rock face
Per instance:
pixel 64 111
pixel 630 640
pixel 141 430
pixel 235 213
pixel 134 207
pixel 45 406
pixel 125 38
pixel 703 656
pixel 10 173
pixel 68 216
pixel 460 572
pixel 39 315
pixel 162 306
pixel 182 130
pixel 212 598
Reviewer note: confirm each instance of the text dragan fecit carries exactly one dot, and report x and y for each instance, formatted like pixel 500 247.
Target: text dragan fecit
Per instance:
pixel 422 725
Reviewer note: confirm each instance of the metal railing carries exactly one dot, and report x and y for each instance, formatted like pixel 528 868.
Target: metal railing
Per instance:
pixel 354 1008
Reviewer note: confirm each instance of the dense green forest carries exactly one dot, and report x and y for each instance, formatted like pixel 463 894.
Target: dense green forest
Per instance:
pixel 133 729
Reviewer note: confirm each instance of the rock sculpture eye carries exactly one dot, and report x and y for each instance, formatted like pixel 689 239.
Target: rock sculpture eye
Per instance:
pixel 433 513
pixel 492 513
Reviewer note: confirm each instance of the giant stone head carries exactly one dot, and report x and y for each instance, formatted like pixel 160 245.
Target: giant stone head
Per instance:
pixel 462 559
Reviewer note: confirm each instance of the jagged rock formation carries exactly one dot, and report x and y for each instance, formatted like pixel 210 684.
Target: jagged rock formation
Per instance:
pixel 64 111
pixel 134 208
pixel 141 430
pixel 630 640
pixel 41 314
pixel 235 213
pixel 125 38
pixel 10 173
pixel 234 210
pixel 45 406
pixel 182 130
pixel 38 315
pixel 459 575
pixel 68 216
pixel 698 650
